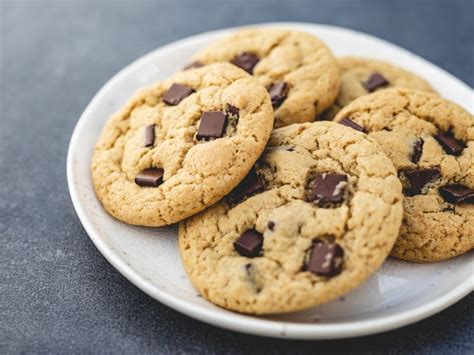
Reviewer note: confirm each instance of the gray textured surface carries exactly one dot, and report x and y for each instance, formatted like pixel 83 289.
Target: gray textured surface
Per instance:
pixel 57 293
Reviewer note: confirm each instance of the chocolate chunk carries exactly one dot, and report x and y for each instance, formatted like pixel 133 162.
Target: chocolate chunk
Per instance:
pixel 249 244
pixel 196 64
pixel 271 225
pixel 212 125
pixel 150 135
pixel 375 81
pixel 232 111
pixel 417 179
pixel 176 93
pixel 349 123
pixel 328 188
pixel 417 151
pixel 450 144
pixel 326 259
pixel 247 61
pixel 248 269
pixel 150 177
pixel 250 185
pixel 457 193
pixel 278 92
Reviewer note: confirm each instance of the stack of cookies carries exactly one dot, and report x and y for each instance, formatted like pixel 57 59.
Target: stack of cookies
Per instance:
pixel 293 174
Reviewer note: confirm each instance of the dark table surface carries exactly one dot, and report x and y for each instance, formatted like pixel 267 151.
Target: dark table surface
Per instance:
pixel 57 293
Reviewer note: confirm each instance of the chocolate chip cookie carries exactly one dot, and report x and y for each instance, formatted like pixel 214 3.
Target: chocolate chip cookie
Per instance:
pixel 361 76
pixel 431 142
pixel 315 217
pixel 181 145
pixel 298 70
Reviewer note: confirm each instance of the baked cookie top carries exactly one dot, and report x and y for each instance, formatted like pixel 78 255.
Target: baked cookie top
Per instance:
pixel 316 216
pixel 298 70
pixel 361 76
pixel 181 145
pixel 431 142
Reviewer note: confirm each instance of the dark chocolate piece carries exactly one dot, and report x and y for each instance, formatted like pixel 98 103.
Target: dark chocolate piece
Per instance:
pixel 232 111
pixel 271 225
pixel 150 135
pixel 326 259
pixel 176 93
pixel 375 81
pixel 457 193
pixel 417 179
pixel 248 269
pixel 346 121
pixel 247 61
pixel 450 144
pixel 278 93
pixel 328 188
pixel 417 151
pixel 212 125
pixel 249 244
pixel 152 177
pixel 250 185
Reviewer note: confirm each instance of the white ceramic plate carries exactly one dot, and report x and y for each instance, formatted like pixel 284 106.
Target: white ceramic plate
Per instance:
pixel 398 294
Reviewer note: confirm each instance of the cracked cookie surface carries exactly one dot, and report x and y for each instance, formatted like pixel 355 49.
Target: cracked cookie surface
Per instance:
pixel 295 244
pixel 194 163
pixel 431 142
pixel 356 73
pixel 275 56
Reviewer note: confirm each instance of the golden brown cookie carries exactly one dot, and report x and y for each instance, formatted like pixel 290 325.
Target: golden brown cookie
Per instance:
pixel 318 214
pixel 298 70
pixel 181 145
pixel 431 142
pixel 361 76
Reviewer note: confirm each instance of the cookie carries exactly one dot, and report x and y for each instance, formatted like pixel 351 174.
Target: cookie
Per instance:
pixel 181 145
pixel 298 70
pixel 361 76
pixel 316 216
pixel 431 142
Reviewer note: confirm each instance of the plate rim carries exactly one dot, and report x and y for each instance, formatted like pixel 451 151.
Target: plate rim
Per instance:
pixel 235 321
